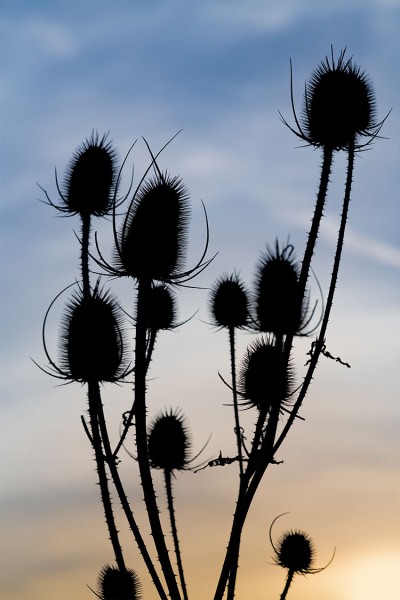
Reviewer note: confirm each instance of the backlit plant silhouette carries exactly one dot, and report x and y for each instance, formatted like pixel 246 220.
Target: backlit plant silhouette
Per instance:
pixel 150 235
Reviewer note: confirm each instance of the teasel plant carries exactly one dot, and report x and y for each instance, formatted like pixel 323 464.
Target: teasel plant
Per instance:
pixel 295 552
pixel 150 247
pixel 338 115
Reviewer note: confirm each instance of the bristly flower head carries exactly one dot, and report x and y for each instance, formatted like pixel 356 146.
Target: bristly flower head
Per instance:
pixel 114 584
pixel 90 182
pixel 229 305
pixel 92 339
pixel 339 106
pixel 159 308
pixel 152 241
pixel 168 442
pixel 295 551
pixel 279 309
pixel 262 380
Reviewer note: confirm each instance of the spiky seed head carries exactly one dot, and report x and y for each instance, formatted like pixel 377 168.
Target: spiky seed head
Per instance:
pixel 339 104
pixel 277 303
pixel 295 552
pixel 153 239
pixel 229 303
pixel 114 584
pixel 90 179
pixel 168 442
pixel 92 338
pixel 262 380
pixel 159 308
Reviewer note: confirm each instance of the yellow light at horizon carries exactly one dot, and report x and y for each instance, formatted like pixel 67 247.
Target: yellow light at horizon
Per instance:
pixel 373 577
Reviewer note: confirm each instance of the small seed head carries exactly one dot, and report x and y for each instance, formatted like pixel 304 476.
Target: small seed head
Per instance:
pixel 159 308
pixel 295 552
pixel 90 180
pixel 262 380
pixel 92 340
pixel 168 442
pixel 114 584
pixel 277 302
pixel 339 105
pixel 229 304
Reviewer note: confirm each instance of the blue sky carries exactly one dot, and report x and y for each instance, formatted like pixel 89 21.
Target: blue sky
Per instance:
pixel 219 71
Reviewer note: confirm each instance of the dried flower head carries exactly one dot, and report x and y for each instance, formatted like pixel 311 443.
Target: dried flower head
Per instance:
pixel 92 339
pixel 153 238
pixel 278 307
pixel 90 183
pixel 339 106
pixel 229 303
pixel 168 442
pixel 114 584
pixel 159 310
pixel 295 551
pixel 263 381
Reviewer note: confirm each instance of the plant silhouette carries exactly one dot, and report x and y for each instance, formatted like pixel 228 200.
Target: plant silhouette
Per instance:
pixel 150 248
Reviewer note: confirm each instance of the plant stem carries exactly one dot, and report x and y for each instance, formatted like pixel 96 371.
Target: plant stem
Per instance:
pixel 174 531
pixel 235 398
pixel 94 398
pixel 111 461
pixel 335 270
pixel 141 444
pixel 289 580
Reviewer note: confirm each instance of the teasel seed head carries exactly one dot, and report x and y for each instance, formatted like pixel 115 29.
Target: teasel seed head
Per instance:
pixel 89 184
pixel 92 338
pixel 152 242
pixel 262 380
pixel 295 551
pixel 229 304
pixel 114 584
pixel 159 308
pixel 168 442
pixel 277 302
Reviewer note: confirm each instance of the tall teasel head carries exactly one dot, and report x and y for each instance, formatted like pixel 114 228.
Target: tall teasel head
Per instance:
pixel 339 106
pixel 263 380
pixel 92 338
pixel 168 442
pixel 152 242
pixel 229 304
pixel 279 309
pixel 114 584
pixel 159 308
pixel 90 183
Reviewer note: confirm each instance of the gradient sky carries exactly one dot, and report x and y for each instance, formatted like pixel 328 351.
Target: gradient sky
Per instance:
pixel 218 70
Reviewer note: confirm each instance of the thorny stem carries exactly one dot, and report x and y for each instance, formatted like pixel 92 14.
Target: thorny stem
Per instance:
pixel 141 444
pixel 85 254
pixel 174 531
pixel 94 398
pixel 329 302
pixel 246 495
pixel 235 398
pixel 289 580
pixel 111 461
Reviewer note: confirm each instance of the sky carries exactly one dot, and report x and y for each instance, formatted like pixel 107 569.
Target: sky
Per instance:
pixel 219 71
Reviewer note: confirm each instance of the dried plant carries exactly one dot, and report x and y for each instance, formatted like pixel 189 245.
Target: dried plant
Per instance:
pixel 338 114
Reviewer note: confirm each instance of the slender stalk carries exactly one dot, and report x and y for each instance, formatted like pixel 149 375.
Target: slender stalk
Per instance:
pixel 288 583
pixel 111 461
pixel 93 395
pixel 235 398
pixel 335 270
pixel 94 402
pixel 86 224
pixel 174 531
pixel 141 445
